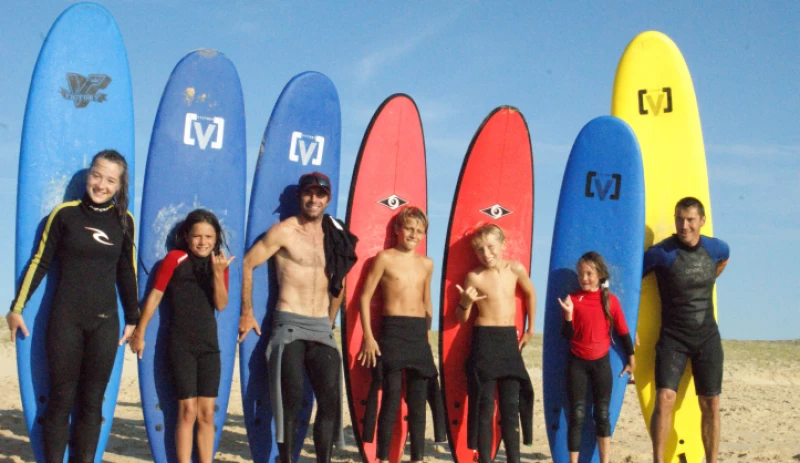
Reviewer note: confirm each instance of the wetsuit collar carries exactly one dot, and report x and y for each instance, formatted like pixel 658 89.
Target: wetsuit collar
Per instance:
pixel 685 246
pixel 97 207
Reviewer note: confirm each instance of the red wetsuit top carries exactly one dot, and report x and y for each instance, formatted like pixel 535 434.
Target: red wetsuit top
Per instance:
pixel 590 339
pixel 188 284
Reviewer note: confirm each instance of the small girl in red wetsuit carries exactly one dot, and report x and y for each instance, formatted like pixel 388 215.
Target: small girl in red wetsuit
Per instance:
pixel 588 317
pixel 195 280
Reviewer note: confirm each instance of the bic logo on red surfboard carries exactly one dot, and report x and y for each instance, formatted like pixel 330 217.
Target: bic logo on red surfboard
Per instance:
pixel 496 211
pixel 195 134
pixel 600 185
pixel 84 90
pixel 393 202
pixel 305 148
pixel 656 101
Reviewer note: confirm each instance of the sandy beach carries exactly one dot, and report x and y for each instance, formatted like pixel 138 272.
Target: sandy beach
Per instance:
pixel 760 420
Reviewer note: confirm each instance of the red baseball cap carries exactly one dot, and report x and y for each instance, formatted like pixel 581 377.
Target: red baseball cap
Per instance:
pixel 314 179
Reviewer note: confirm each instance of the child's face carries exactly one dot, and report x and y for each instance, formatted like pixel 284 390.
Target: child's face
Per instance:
pixel 410 233
pixel 587 276
pixel 489 250
pixel 202 239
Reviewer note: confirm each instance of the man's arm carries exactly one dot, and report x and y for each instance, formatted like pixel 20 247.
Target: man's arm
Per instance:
pixel 257 255
pixel 524 282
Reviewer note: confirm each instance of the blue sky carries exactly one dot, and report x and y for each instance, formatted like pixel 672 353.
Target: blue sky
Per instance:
pixel 555 61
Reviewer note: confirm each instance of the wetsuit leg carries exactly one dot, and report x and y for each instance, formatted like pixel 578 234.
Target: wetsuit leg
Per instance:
pixel 602 382
pixel 577 385
pixel 707 367
pixel 671 358
pixel 64 356
pixel 508 396
pixel 416 398
pixel 323 364
pixel 208 374
pixel 390 404
pixel 486 420
pixel 183 370
pixel 292 365
pixel 100 352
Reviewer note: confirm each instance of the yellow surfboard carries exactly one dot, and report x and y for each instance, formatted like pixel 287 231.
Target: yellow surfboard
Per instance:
pixel 653 92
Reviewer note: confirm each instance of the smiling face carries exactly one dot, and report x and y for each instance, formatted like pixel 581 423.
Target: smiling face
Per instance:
pixel 588 277
pixel 489 249
pixel 201 239
pixel 313 201
pixel 688 223
pixel 103 180
pixel 409 233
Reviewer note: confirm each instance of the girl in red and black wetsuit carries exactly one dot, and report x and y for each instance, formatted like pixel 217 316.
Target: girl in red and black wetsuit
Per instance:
pixel 195 280
pixel 588 318
pixel 93 241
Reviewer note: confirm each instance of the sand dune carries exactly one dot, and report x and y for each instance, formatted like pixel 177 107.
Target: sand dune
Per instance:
pixel 760 415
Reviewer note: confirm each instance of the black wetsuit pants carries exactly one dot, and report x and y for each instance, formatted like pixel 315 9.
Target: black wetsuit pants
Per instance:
pixel 321 363
pixel 507 390
pixel 80 355
pixel 580 374
pixel 416 397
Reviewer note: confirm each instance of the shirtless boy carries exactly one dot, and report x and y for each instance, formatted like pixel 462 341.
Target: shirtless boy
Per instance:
pixel 495 361
pixel 405 280
pixel 308 302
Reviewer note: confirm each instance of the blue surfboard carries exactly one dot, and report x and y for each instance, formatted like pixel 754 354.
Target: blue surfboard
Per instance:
pixel 80 102
pixel 601 208
pixel 303 135
pixel 197 159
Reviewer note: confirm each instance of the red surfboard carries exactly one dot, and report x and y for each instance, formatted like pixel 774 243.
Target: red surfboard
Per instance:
pixel 495 186
pixel 389 174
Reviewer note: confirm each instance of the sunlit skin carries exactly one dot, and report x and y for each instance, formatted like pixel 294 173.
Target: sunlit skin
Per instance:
pixel 102 182
pixel 688 223
pixel 201 240
pixel 405 280
pixel 589 280
pixel 493 287
pixel 297 244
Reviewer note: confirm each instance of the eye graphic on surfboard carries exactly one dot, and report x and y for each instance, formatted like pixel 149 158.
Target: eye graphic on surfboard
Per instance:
pixel 393 202
pixel 496 211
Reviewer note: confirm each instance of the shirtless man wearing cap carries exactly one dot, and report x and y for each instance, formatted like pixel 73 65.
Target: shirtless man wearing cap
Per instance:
pixel 309 298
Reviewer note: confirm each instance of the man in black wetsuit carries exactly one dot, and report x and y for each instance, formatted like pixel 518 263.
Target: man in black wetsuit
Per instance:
pixel 312 253
pixel 687 265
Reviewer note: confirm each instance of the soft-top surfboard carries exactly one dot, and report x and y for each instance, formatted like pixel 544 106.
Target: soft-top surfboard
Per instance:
pixel 389 174
pixel 80 102
pixel 653 92
pixel 495 186
pixel 197 159
pixel 601 208
pixel 303 135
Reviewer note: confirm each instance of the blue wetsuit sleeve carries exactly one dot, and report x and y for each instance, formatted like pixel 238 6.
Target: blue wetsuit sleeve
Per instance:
pixel 717 249
pixel 653 257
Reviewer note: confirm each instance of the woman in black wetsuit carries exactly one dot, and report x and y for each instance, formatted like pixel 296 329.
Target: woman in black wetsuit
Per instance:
pixel 93 240
pixel 194 278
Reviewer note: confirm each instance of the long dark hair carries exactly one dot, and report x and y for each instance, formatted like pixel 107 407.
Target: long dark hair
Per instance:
pixel 195 217
pixel 121 199
pixel 596 260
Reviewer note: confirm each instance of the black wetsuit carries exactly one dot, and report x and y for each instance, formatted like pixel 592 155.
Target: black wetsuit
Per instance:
pixel 405 350
pixel 495 366
pixel 96 259
pixel 187 282
pixel 686 277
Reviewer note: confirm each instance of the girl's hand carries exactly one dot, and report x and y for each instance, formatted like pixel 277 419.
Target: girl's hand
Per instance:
pixel 137 344
pixel 369 353
pixel 126 333
pixel 567 307
pixel 16 322
pixel 630 367
pixel 469 296
pixel 220 262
